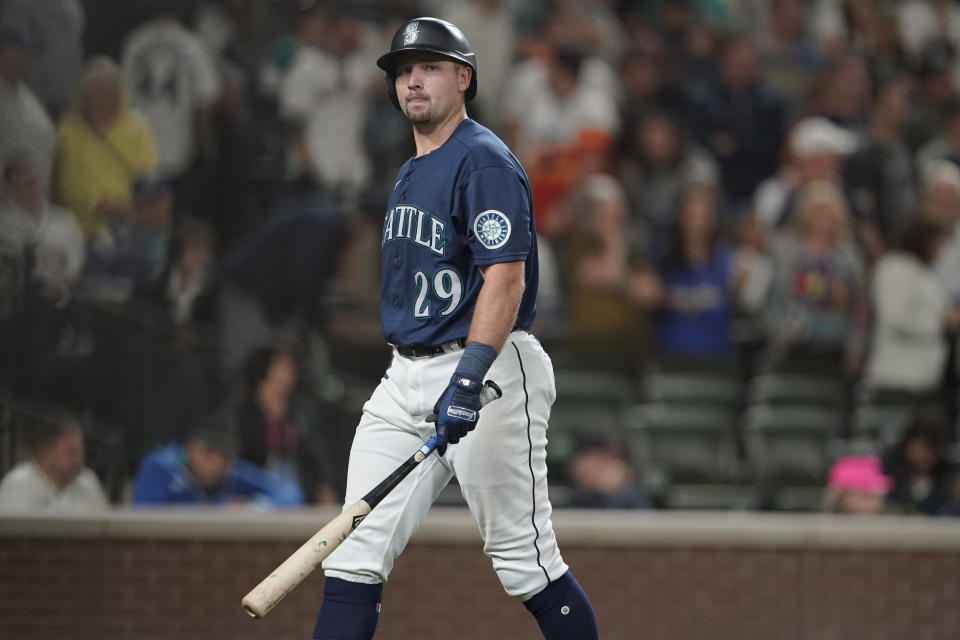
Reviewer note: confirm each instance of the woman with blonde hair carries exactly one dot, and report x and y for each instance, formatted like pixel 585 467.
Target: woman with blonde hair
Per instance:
pixel 817 308
pixel 103 148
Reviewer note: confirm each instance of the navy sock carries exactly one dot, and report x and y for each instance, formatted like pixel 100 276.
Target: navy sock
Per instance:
pixel 563 611
pixel 349 612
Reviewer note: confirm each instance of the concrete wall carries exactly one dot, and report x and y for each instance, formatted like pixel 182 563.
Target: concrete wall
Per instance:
pixel 651 575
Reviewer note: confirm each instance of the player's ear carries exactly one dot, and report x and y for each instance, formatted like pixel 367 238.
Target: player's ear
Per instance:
pixel 463 75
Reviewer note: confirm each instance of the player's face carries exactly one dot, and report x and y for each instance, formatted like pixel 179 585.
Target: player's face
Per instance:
pixel 430 88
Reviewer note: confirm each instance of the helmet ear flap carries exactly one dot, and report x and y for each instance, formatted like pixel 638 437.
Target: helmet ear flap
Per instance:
pixel 391 85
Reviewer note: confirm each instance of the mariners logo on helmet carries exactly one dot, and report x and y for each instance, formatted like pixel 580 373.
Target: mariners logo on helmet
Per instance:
pixel 492 228
pixel 410 34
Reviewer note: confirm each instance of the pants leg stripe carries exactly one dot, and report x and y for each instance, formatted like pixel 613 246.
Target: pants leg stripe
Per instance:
pixel 533 478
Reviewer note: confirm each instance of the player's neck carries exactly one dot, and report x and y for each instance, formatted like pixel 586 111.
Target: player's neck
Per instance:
pixel 431 136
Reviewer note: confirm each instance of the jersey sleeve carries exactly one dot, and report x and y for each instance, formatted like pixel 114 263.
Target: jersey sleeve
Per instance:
pixel 499 212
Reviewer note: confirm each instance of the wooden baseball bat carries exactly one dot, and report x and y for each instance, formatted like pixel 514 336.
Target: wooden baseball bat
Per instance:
pixel 312 553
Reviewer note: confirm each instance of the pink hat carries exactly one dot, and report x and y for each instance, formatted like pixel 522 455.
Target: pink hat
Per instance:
pixel 859 473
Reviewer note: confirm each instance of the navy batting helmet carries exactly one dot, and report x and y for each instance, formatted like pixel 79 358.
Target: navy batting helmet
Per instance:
pixel 434 36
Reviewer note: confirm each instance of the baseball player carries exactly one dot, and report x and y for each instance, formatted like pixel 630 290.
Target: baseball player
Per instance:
pixel 459 267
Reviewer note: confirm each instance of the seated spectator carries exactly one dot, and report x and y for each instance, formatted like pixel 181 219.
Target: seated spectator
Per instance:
pixel 857 486
pixel 607 293
pixel 817 306
pixel 55 479
pixel 922 476
pixel 275 433
pixel 29 222
pixel 602 479
pixel 41 255
pixel 59 28
pixel 177 289
pixel 24 123
pixel 205 470
pixel 133 248
pixel 103 148
pixel 753 273
pixel 656 167
pixel 912 314
pixel 697 282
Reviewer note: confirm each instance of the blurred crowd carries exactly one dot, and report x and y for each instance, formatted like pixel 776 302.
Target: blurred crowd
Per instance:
pixel 192 192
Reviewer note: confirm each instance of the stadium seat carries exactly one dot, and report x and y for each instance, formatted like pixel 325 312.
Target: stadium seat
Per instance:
pixel 797 389
pixel 692 388
pixel 686 456
pixel 790 449
pixel 880 424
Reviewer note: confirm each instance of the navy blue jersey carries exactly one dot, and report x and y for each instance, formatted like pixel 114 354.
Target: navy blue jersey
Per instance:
pixel 463 205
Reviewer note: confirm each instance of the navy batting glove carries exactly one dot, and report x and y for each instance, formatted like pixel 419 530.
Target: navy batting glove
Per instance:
pixel 458 410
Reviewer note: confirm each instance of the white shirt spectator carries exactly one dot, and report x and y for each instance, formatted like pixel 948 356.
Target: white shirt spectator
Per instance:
pixel 58 65
pixel 327 96
pixel 55 235
pixel 948 265
pixel 25 127
pixel 543 118
pixel 170 76
pixel 921 24
pixel 491 32
pixel 909 345
pixel 26 489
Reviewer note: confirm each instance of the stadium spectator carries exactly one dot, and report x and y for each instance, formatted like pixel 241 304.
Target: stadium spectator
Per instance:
pixel 922 475
pixel 857 486
pixel 607 291
pixel 273 287
pixel 657 164
pixel 941 204
pixel 602 478
pixel 912 314
pixel 204 470
pixel 173 82
pixel 275 430
pixel 58 64
pixel 842 94
pixel 923 22
pixel 41 252
pixel 563 130
pixel 879 175
pixel 178 288
pixel 55 478
pixel 24 123
pixel 31 223
pixel 492 33
pixel 789 60
pixel 945 146
pixel 753 273
pixel 934 93
pixel 133 249
pixel 741 120
pixel 647 88
pixel 816 151
pixel 697 282
pixel 817 306
pixel 103 148
pixel 324 97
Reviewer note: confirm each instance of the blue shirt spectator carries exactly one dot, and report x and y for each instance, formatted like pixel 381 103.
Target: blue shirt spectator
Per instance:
pixel 204 471
pixel 696 281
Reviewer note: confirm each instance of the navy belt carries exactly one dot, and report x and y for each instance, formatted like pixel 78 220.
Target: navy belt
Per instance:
pixel 426 350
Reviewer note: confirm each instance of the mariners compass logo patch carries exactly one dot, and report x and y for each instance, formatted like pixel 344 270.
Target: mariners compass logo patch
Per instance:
pixel 410 33
pixel 492 228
